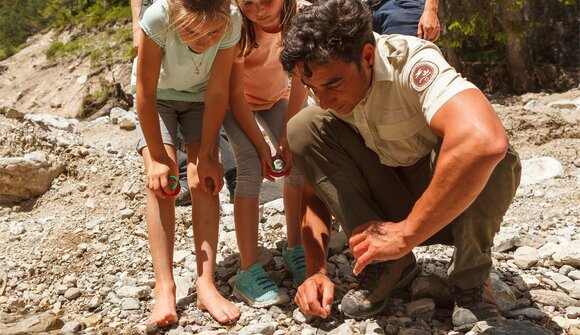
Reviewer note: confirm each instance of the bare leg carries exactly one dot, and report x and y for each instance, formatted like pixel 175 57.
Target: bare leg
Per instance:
pixel 292 208
pixel 161 230
pixel 205 218
pixel 246 221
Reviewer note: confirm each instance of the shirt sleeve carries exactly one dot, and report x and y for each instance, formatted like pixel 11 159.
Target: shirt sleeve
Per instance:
pixel 429 81
pixel 155 22
pixel 232 36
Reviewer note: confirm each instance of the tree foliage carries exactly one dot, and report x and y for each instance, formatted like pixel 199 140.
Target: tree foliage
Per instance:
pixel 514 33
pixel 19 20
pixel 23 18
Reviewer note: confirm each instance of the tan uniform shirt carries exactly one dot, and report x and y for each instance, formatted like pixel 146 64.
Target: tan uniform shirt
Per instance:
pixel 411 81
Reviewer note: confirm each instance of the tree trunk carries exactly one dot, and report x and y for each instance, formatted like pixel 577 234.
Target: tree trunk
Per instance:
pixel 519 63
pixel 450 54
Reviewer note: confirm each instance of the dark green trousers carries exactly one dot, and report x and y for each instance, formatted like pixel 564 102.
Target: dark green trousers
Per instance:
pixel 357 188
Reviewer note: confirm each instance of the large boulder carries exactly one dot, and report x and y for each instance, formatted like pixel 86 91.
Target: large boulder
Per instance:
pixel 22 178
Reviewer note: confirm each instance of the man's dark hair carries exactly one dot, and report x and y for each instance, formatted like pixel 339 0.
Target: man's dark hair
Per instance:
pixel 328 30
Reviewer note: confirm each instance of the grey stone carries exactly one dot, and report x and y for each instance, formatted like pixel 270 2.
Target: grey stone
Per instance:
pixel 259 328
pixel 129 304
pixel 508 327
pixel 128 121
pixel 343 329
pixel 373 328
pixel 432 286
pixel 572 312
pixel 535 170
pixel 526 281
pixel 72 327
pixel 72 293
pixel 413 331
pixel 548 249
pixel 422 308
pixel 526 257
pixel 563 104
pixel 337 242
pixel 52 121
pixel 551 298
pixel 299 317
pixel 141 292
pixel 565 283
pixel 505 298
pixel 505 241
pixel 22 178
pixel 530 313
pixel 569 255
pixel 41 323
pixel 184 285
pixel 574 274
pixel 570 326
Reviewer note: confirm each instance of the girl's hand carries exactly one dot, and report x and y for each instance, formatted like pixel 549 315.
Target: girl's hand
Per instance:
pixel 211 175
pixel 157 178
pixel 266 160
pixel 284 151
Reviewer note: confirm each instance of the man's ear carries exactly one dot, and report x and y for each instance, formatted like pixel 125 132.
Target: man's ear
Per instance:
pixel 368 55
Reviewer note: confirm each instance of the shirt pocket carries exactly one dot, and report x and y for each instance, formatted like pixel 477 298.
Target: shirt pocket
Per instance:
pixel 404 140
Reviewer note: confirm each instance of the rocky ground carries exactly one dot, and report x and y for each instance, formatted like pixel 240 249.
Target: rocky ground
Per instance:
pixel 75 258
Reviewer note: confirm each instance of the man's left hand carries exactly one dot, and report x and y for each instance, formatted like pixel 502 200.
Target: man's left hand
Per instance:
pixel 378 241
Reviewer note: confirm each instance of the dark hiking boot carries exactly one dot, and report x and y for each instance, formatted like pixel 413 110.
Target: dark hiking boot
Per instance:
pixel 474 305
pixel 376 283
pixel 184 197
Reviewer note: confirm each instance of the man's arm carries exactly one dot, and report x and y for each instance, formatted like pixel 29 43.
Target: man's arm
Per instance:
pixel 429 27
pixel 474 142
pixel 136 16
pixel 316 294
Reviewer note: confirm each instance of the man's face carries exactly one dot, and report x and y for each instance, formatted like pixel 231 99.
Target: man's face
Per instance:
pixel 340 86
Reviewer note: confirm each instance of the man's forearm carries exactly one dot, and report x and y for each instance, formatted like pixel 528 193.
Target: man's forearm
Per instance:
pixel 315 233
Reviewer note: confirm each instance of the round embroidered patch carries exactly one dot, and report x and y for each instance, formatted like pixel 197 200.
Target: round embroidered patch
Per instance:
pixel 422 75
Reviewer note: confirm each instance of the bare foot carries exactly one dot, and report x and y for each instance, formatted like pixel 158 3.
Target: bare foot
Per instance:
pixel 221 309
pixel 164 313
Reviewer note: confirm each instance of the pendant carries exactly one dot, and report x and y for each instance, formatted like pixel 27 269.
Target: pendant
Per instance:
pixel 196 70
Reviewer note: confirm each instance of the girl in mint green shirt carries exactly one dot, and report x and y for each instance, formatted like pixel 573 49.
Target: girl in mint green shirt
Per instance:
pixel 181 82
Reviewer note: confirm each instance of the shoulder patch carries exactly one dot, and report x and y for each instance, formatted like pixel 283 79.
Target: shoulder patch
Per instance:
pixel 422 75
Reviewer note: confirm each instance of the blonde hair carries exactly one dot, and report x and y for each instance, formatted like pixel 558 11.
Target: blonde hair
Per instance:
pixel 248 39
pixel 199 13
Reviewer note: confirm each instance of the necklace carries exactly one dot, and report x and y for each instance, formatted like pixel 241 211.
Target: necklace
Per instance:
pixel 193 60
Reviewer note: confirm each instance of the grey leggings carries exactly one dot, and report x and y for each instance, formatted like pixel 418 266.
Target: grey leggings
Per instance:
pixel 249 180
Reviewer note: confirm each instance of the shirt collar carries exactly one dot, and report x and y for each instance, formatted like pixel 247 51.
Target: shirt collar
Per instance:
pixel 382 70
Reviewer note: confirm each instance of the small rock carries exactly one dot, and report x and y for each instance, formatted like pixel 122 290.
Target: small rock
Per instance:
pixel 538 169
pixel 422 308
pixel 572 312
pixel 551 298
pixel 129 304
pixel 72 293
pixel 525 257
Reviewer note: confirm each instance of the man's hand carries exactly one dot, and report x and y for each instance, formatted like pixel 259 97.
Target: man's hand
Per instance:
pixel 315 296
pixel 378 241
pixel 429 27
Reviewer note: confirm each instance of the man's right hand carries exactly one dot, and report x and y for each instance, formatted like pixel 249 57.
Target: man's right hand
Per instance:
pixel 315 296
